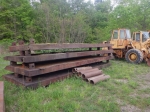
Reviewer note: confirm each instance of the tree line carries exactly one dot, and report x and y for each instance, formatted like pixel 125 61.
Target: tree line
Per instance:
pixel 70 20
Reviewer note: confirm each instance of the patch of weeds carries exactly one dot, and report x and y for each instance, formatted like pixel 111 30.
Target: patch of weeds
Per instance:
pixel 109 87
pixel 140 102
pixel 146 91
pixel 133 84
pixel 124 70
pixel 125 89
pixel 108 106
pixel 69 106
pixel 56 94
pixel 51 106
pixel 73 94
pixel 119 82
pixel 91 108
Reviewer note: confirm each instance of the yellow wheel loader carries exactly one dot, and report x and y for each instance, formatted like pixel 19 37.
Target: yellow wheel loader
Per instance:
pixel 134 49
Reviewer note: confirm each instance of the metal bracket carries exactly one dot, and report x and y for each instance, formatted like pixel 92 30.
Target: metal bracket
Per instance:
pixel 31 66
pixel 13 63
pixel 28 79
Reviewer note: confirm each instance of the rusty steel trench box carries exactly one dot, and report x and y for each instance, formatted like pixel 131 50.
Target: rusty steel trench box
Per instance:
pixel 33 70
pixel 54 56
pixel 43 68
pixel 46 79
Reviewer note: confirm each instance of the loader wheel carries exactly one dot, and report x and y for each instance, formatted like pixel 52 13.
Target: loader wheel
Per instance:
pixel 134 56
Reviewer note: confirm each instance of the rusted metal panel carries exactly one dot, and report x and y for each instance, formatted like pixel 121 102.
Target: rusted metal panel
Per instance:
pixel 49 46
pixel 19 48
pixel 46 79
pixel 42 80
pixel 51 67
pixel 47 57
pixel 2 107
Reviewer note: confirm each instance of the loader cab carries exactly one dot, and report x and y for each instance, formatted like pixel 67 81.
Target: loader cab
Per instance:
pixel 140 36
pixel 120 38
pixel 121 34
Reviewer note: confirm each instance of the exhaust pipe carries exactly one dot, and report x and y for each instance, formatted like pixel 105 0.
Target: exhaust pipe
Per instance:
pixel 91 74
pixel 96 79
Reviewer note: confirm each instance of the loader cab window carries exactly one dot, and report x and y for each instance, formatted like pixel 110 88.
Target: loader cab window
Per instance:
pixel 128 34
pixel 145 36
pixel 122 34
pixel 115 35
pixel 138 37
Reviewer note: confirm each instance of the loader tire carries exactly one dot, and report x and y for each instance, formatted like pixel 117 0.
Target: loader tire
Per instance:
pixel 134 56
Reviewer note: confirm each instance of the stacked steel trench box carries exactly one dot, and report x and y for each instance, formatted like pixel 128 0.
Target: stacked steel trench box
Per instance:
pixel 32 68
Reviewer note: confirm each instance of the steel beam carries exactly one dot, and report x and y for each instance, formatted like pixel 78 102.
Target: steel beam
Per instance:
pixel 49 46
pixel 48 57
pixel 55 66
pixel 42 80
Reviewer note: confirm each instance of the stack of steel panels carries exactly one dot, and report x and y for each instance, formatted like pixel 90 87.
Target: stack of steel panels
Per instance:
pixel 31 68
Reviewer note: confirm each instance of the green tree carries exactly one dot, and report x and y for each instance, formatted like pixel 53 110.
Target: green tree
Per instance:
pixel 16 19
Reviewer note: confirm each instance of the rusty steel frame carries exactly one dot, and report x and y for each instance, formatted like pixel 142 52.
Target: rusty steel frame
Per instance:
pixel 52 67
pixel 42 69
pixel 47 57
pixel 49 46
pixel 46 79
pixel 2 105
pixel 42 80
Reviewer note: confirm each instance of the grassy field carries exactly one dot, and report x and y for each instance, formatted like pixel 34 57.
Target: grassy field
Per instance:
pixel 127 91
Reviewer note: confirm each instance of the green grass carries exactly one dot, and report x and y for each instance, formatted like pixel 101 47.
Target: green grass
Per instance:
pixel 76 95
